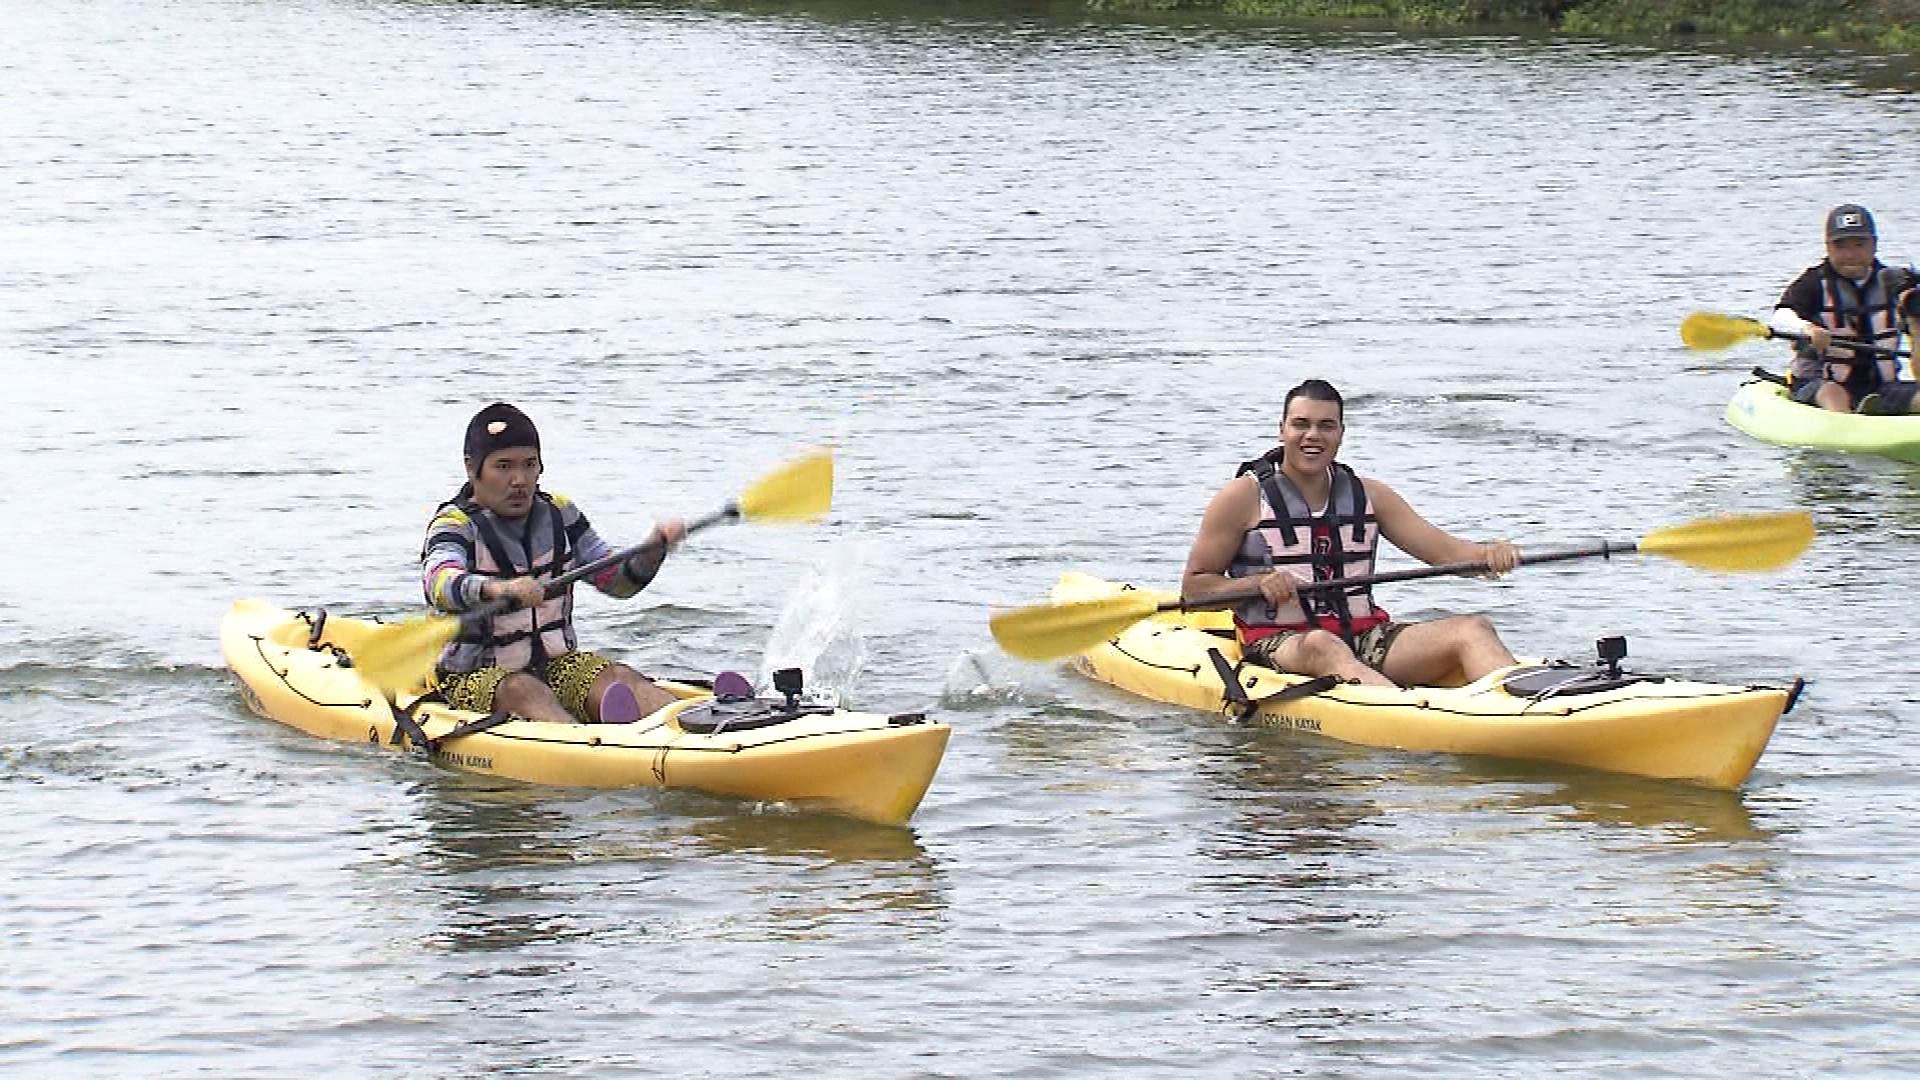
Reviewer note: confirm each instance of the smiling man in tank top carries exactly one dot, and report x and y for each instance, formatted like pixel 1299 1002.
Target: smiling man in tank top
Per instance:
pixel 1297 515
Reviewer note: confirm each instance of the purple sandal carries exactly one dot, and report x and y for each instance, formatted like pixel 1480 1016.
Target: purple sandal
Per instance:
pixel 618 705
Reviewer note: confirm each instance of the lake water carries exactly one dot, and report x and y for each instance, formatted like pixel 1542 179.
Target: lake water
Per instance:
pixel 1041 283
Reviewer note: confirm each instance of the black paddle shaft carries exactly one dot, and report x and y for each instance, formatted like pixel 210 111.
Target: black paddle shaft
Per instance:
pixel 729 512
pixel 1604 549
pixel 1842 343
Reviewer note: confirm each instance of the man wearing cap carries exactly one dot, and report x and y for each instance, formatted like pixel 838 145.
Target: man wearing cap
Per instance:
pixel 499 539
pixel 1851 295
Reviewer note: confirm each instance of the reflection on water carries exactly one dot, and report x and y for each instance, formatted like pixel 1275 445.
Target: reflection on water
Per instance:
pixel 1668 812
pixel 1287 795
pixel 1293 794
pixel 1289 844
pixel 1310 828
pixel 521 866
pixel 819 838
pixel 486 845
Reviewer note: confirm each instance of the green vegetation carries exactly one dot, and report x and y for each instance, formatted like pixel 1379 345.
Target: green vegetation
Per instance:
pixel 1889 24
pixel 1400 12
pixel 1892 24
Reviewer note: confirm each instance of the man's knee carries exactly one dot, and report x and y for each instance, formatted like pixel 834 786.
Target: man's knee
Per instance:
pixel 1471 628
pixel 1322 647
pixel 519 689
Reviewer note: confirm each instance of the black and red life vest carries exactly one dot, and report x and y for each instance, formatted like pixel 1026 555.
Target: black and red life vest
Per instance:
pixel 1342 540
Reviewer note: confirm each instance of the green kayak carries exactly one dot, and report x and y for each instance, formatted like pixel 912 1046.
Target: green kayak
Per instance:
pixel 1763 410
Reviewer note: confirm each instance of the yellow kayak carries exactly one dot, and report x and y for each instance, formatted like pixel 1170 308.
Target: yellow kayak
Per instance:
pixel 1665 728
pixel 1762 409
pixel 291 667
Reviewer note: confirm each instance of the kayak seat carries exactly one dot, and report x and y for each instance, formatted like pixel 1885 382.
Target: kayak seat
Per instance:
pixel 1540 681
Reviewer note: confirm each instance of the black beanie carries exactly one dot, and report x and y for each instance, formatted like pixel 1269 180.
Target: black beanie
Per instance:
pixel 497 427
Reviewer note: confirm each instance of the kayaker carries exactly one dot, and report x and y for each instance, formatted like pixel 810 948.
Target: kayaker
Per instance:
pixel 1297 514
pixel 1850 294
pixel 499 539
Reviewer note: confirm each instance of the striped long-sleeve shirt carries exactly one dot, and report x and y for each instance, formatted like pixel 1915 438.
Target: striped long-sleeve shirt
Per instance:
pixel 466 545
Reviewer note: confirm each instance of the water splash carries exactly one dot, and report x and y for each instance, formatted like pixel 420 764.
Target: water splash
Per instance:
pixel 980 681
pixel 816 633
pixel 971 680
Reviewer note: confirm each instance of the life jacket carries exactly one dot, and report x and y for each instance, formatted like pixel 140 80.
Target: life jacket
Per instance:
pixel 1342 542
pixel 1869 314
pixel 526 638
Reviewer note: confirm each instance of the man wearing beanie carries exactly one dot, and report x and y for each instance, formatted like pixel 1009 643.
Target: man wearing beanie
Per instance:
pixel 498 540
pixel 1850 295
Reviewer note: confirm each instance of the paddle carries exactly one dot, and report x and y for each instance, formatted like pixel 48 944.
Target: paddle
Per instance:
pixel 1739 542
pixel 1707 330
pixel 398 657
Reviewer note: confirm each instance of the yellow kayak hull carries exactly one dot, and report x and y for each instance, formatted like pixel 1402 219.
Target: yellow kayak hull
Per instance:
pixel 1669 729
pixel 862 765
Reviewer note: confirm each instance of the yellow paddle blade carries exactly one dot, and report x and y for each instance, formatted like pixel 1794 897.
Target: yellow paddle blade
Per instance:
pixel 1706 330
pixel 398 657
pixel 801 491
pixel 1053 631
pixel 1736 542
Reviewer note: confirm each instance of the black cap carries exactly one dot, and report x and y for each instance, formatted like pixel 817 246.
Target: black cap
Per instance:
pixel 497 427
pixel 1849 219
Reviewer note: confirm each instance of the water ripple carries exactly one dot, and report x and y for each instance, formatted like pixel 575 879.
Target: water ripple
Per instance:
pixel 1041 282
